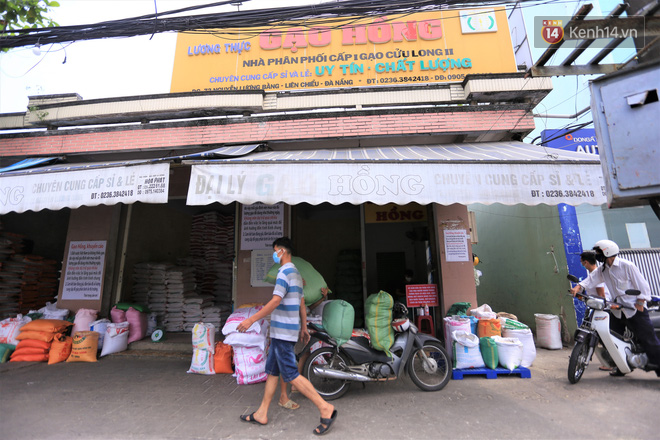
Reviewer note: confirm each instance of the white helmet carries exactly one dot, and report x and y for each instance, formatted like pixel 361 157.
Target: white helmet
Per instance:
pixel 401 325
pixel 607 247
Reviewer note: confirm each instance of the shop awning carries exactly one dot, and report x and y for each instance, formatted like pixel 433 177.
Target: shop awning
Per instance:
pixel 73 185
pixel 498 172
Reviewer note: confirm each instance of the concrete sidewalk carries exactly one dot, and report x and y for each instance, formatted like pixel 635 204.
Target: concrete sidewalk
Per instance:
pixel 142 395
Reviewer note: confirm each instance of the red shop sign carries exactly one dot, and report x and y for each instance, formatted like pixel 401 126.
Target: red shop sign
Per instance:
pixel 419 294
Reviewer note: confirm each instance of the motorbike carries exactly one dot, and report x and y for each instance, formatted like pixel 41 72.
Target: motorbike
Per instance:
pixel 595 336
pixel 333 368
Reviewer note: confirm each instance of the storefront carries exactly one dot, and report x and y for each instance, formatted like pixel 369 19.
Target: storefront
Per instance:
pixel 376 184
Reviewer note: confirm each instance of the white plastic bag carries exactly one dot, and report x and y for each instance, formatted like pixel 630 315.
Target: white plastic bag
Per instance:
pixel 509 352
pixel 50 311
pixel 527 338
pixel 116 338
pixel 466 348
pixel 483 312
pixel 100 326
pixel 548 331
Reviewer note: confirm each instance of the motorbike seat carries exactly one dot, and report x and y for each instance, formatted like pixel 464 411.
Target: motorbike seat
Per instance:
pixel 373 356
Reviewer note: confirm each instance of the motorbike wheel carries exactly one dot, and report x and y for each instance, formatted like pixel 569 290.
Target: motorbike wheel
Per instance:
pixel 429 367
pixel 578 361
pixel 329 389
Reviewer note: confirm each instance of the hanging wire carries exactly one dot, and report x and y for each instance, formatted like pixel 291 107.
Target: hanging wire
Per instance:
pixel 230 22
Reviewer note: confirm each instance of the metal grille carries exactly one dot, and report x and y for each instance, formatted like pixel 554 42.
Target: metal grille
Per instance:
pixel 648 262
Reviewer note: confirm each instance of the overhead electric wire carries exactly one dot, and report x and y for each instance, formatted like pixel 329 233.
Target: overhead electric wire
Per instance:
pixel 313 15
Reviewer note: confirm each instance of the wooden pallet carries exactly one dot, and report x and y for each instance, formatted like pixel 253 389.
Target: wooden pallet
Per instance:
pixel 458 374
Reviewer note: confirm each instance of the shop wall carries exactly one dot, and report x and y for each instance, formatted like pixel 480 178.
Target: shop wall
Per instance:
pixel 616 219
pixel 456 282
pixel 156 233
pixel 519 273
pixel 598 223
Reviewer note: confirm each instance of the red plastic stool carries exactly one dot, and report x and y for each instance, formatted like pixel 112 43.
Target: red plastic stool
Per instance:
pixel 425 325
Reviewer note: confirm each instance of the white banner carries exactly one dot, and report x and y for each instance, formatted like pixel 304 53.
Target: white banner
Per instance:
pixel 401 183
pixel 83 277
pixel 88 187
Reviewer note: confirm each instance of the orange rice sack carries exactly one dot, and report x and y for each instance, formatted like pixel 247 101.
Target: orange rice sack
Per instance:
pixel 489 327
pixel 38 336
pixel 222 358
pixel 29 350
pixel 84 347
pixel 60 350
pixel 30 358
pixel 47 325
pixel 33 343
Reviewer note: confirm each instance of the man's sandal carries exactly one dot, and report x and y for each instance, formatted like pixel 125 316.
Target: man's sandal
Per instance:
pixel 321 430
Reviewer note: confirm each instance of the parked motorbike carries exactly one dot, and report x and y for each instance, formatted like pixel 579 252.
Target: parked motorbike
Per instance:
pixel 332 369
pixel 595 336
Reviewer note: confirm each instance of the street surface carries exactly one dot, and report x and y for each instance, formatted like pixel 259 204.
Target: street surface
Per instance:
pixel 129 396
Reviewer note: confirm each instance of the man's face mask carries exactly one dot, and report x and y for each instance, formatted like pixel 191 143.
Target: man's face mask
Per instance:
pixel 276 256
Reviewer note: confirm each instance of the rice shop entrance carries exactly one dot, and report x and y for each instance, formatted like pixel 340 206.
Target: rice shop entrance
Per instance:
pixel 392 240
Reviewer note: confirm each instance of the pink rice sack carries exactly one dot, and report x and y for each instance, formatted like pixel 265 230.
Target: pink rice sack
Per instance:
pixel 137 324
pixel 117 315
pixel 83 319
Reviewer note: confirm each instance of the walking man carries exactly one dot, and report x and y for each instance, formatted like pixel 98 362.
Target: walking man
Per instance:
pixel 288 319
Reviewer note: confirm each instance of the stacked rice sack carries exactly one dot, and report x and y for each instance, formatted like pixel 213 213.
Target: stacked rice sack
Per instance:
pixel 35 339
pixel 484 339
pixel 203 341
pixel 249 347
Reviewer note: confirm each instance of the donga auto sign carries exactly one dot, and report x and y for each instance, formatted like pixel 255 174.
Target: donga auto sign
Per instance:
pixel 582 141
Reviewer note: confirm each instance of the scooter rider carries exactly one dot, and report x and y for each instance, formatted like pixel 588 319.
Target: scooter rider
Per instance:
pixel 619 275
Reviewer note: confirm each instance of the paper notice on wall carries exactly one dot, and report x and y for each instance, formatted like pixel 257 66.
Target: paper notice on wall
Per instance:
pixel 260 263
pixel 456 245
pixel 83 277
pixel 261 225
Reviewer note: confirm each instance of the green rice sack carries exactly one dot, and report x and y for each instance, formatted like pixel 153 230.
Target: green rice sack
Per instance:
pixel 313 281
pixel 379 321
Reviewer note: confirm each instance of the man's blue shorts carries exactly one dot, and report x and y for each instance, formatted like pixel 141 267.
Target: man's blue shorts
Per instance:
pixel 282 360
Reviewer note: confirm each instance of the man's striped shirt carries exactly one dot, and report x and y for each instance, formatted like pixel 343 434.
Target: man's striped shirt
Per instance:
pixel 285 319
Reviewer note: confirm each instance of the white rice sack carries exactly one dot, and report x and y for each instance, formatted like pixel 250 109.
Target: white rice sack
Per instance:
pixel 250 365
pixel 509 351
pixel 548 331
pixel 202 362
pixel 239 316
pixel 467 351
pixel 527 338
pixel 116 338
pixel 203 337
pixel 249 339
pixel 100 326
pixel 452 324
pixel 11 327
pixel 483 312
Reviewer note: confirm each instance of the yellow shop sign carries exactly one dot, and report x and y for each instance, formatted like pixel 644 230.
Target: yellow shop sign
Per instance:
pixel 427 47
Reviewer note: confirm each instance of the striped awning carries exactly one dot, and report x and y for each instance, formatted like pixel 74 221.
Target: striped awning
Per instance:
pixel 497 172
